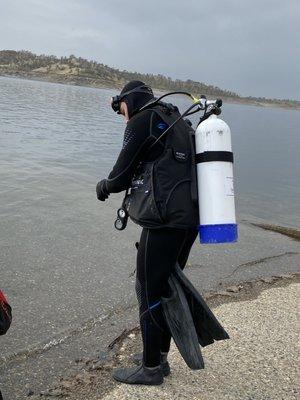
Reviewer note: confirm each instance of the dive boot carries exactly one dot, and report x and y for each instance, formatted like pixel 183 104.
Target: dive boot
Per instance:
pixel 140 375
pixel 164 365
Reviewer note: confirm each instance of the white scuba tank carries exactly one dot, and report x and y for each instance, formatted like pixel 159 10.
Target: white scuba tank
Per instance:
pixel 214 160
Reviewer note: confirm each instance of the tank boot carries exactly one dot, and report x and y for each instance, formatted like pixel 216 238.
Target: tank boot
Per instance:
pixel 164 365
pixel 140 375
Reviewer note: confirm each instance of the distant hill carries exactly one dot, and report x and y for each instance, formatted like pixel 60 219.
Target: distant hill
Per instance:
pixel 78 71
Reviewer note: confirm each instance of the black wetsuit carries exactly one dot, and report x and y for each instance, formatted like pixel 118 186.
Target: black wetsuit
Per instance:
pixel 160 248
pixel 158 252
pixel 135 141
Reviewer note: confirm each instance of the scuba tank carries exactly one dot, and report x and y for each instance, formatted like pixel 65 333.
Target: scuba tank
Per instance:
pixel 214 159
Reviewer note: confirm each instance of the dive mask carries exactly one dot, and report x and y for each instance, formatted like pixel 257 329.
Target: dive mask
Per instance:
pixel 116 100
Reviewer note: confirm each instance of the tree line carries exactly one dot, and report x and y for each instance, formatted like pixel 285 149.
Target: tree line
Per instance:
pixel 25 62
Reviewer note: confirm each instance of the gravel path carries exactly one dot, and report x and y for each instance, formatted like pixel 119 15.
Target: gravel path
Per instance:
pixel 259 362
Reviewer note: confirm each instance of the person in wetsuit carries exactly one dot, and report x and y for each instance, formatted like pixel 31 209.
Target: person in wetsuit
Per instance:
pixel 160 248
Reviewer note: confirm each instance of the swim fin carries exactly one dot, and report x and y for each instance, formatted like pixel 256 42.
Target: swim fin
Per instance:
pixel 207 326
pixel 180 322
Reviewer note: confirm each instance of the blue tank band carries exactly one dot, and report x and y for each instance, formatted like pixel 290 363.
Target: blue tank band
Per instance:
pixel 220 233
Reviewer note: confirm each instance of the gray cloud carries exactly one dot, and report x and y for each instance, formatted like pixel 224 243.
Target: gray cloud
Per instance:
pixel 250 47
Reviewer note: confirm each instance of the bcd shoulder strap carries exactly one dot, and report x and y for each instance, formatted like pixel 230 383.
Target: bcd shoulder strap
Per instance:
pixel 168 118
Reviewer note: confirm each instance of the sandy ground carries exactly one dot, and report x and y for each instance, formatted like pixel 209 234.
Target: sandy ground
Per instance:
pixel 259 362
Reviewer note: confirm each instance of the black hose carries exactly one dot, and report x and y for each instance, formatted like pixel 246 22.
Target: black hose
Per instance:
pixel 165 95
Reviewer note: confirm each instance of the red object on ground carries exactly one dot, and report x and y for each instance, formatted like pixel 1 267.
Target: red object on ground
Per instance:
pixel 2 297
pixel 5 314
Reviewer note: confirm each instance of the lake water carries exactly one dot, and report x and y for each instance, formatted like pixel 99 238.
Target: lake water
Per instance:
pixel 56 137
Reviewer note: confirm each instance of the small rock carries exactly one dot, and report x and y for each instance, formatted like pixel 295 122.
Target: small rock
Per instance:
pixel 267 280
pixel 233 289
pixel 286 276
pixel 53 392
pixel 29 393
pixel 131 336
pixel 275 278
pixel 97 365
pixel 103 355
pixel 223 293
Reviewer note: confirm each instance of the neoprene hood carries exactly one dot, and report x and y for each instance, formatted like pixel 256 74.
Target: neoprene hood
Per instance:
pixel 136 99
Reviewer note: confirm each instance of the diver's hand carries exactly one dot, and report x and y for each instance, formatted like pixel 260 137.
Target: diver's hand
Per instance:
pixel 101 190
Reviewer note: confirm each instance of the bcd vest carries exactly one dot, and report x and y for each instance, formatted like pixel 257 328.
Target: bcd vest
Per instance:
pixel 163 192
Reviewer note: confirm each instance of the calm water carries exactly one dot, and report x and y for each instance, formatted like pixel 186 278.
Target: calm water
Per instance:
pixel 53 136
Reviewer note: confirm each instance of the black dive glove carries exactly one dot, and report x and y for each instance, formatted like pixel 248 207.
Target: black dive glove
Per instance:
pixel 101 190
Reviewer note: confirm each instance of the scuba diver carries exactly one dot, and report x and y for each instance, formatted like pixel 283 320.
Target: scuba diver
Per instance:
pixel 160 172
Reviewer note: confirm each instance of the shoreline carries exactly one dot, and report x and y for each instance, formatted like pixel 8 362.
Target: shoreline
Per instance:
pixel 261 259
pixel 293 233
pixel 97 84
pixel 90 374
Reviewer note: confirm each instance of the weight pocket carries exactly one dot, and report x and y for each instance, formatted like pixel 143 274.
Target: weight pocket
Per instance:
pixel 141 203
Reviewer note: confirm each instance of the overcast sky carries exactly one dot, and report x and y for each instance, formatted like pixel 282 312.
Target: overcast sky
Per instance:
pixel 248 46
